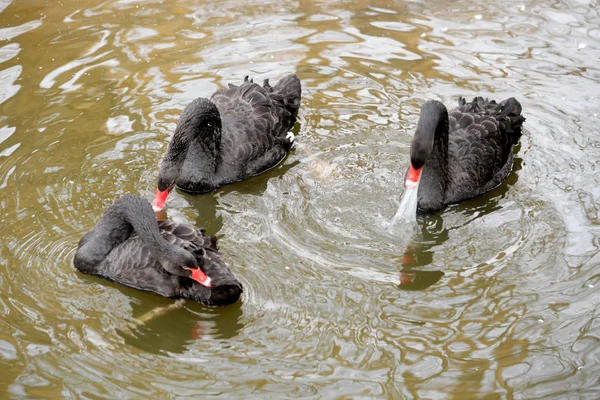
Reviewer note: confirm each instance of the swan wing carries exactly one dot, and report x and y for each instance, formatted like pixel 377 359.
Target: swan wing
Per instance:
pixel 256 120
pixel 480 144
pixel 134 264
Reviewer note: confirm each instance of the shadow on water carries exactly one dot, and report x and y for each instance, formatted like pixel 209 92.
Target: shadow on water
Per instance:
pixel 258 184
pixel 176 330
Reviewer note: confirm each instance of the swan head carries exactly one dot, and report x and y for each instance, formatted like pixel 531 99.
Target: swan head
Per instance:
pixel 224 287
pixel 225 294
pixel 181 262
pixel 221 294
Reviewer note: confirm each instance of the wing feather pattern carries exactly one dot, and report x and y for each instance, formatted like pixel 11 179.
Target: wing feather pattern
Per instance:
pixel 256 120
pixel 481 137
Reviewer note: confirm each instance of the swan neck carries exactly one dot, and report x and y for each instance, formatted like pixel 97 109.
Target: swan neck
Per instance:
pixel 141 217
pixel 200 124
pixel 430 151
pixel 432 131
pixel 127 214
pixel 178 146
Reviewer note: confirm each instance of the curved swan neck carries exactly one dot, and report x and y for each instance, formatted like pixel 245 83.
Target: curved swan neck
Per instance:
pixel 200 124
pixel 431 136
pixel 429 150
pixel 197 137
pixel 127 214
pixel 137 212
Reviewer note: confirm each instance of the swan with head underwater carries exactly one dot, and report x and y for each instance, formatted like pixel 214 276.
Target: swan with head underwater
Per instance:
pixel 129 246
pixel 240 132
pixel 460 154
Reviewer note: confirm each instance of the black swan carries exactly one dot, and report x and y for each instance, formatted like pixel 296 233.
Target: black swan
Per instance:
pixel 463 153
pixel 240 132
pixel 174 260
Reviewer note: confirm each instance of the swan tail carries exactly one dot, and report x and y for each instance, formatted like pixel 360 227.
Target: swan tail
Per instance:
pixel 511 110
pixel 288 92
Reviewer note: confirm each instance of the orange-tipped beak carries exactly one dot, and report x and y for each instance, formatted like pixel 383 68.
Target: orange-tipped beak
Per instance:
pixel 412 179
pixel 200 277
pixel 159 200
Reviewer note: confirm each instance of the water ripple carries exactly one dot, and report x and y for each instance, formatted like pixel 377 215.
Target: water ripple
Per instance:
pixel 493 297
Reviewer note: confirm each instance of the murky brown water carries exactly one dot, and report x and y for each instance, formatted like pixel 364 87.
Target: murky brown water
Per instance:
pixel 498 296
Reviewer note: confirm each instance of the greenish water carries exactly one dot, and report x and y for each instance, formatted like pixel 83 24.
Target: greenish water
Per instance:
pixel 493 298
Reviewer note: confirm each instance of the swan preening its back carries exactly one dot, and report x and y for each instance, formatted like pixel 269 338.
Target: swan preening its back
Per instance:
pixel 129 246
pixel 463 153
pixel 240 132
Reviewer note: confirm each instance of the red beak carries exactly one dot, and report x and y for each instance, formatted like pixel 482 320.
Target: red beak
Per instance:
pixel 200 277
pixel 159 200
pixel 412 179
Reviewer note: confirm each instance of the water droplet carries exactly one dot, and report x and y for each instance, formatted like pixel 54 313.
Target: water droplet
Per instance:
pixel 423 34
pixel 590 285
pixel 445 29
pixel 287 267
pixel 540 320
pixel 582 46
pixel 478 16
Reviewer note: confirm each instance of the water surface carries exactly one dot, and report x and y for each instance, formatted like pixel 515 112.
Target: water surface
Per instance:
pixel 493 298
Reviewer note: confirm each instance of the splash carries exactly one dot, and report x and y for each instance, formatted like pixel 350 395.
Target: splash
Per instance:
pixel 407 210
